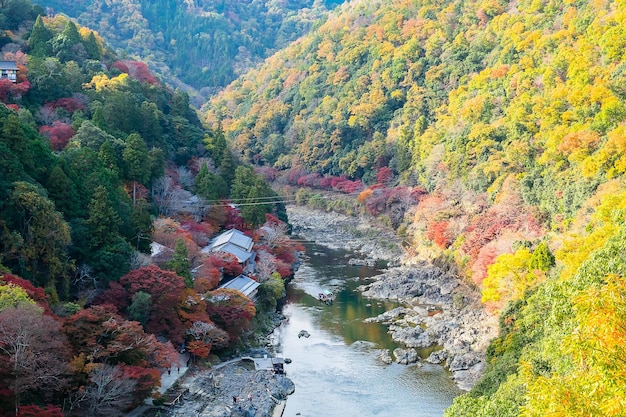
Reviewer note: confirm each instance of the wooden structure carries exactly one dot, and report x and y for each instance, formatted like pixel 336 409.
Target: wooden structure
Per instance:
pixel 8 71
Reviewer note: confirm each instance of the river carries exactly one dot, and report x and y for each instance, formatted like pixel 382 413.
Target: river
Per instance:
pixel 336 370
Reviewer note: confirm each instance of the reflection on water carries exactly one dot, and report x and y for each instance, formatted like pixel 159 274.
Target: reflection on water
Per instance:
pixel 336 370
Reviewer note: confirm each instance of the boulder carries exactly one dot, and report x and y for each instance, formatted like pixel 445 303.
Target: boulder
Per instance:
pixel 385 356
pixel 405 356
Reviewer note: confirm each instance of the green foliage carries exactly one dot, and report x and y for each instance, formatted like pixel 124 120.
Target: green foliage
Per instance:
pixel 541 259
pixel 13 296
pixel 180 262
pixel 139 309
pixel 269 292
pixel 39 39
pixel 206 45
pixel 43 235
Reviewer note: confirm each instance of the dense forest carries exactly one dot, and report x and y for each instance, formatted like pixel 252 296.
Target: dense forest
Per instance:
pixel 99 164
pixel 199 44
pixel 491 135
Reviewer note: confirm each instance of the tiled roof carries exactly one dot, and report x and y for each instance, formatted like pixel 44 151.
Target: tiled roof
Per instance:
pixel 8 65
pixel 243 284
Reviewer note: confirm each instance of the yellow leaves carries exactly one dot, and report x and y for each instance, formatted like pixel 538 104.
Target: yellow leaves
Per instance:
pixel 101 82
pixel 473 108
pixel 597 383
pixel 507 278
pixel 612 156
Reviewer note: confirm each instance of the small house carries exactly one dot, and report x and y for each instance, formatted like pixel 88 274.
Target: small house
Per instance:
pixel 243 284
pixel 8 70
pixel 237 244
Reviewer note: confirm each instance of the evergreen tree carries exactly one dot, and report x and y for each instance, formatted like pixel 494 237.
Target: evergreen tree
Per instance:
pixel 210 186
pixel 180 262
pixel 541 258
pixel 45 235
pixel 140 307
pixel 216 145
pixel 63 192
pixel 92 47
pixel 68 44
pixel 39 40
pixel 253 212
pixel 103 220
pixel 227 167
pixel 142 224
pixel 136 162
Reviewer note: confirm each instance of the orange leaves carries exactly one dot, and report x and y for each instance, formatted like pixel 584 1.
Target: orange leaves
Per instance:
pixel 579 144
pixel 364 195
pixel 439 234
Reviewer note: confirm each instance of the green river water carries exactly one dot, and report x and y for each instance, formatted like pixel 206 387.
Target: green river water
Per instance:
pixel 336 370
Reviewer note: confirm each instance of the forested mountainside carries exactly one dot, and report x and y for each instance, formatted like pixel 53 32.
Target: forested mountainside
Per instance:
pixel 110 187
pixel 492 135
pixel 204 44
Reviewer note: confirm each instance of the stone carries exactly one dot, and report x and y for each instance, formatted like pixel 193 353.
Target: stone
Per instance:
pixel 405 356
pixel 385 356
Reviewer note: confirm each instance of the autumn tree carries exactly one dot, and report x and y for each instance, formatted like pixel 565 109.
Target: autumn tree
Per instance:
pixel 108 393
pixel 231 310
pixel 35 351
pixel 166 290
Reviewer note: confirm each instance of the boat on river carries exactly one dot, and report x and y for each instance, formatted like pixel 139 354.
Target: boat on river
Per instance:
pixel 326 297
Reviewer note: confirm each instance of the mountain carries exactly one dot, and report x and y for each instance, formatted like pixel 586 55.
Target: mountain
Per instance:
pixel 498 128
pixel 197 45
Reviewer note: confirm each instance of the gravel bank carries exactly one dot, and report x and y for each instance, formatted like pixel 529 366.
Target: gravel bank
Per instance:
pixel 233 390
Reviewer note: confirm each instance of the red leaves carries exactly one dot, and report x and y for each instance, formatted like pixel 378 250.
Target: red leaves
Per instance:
pixel 231 310
pixel 136 70
pixel 199 348
pixel 59 134
pixel 36 293
pixel 10 90
pixel 384 175
pixel 153 280
pixel 439 234
pixel 36 411
pixel 69 104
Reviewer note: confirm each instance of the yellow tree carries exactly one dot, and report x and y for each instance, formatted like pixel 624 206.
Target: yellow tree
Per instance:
pixel 596 385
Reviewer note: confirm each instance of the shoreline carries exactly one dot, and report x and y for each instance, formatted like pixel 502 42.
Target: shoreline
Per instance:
pixel 440 310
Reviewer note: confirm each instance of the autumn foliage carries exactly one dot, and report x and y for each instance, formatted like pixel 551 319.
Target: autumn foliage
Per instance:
pixel 59 134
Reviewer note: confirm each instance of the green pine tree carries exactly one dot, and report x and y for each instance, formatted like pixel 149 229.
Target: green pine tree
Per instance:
pixel 92 47
pixel 180 262
pixel 39 40
pixel 103 221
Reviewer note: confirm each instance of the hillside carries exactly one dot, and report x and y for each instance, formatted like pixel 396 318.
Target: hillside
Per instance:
pixel 491 135
pixel 197 46
pixel 110 187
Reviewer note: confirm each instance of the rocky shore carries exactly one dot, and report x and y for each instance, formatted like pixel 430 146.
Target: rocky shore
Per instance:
pixel 338 231
pixel 440 311
pixel 231 390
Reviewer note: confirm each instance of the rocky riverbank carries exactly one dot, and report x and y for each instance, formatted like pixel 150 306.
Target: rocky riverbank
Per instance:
pixel 439 309
pixel 231 390
pixel 338 231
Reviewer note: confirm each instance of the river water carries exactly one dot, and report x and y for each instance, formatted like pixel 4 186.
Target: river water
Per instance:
pixel 336 370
